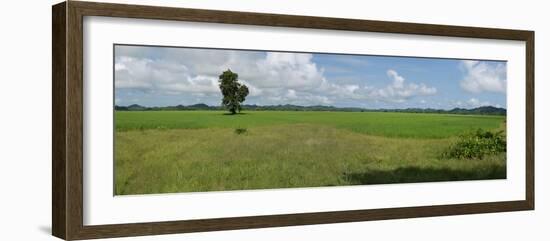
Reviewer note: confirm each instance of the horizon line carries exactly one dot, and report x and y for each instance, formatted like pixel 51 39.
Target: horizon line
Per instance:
pixel 309 106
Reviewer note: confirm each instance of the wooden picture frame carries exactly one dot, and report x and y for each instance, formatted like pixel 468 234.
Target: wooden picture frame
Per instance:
pixel 67 124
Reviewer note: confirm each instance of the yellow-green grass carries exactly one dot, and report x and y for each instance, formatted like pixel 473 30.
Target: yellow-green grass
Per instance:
pixel 194 151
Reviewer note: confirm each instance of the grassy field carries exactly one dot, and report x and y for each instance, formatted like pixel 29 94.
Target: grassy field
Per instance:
pixel 192 151
pixel 372 123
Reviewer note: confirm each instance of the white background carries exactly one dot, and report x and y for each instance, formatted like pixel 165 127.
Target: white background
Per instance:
pixel 25 122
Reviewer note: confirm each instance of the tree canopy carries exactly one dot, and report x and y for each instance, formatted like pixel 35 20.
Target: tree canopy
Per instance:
pixel 234 93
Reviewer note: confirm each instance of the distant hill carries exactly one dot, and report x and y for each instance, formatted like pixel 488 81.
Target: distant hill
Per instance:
pixel 483 110
pixel 130 107
pixel 200 106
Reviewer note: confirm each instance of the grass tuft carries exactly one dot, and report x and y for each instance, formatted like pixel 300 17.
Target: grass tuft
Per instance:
pixel 239 131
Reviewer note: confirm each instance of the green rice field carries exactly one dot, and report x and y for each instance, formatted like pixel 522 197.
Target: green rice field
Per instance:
pixel 196 151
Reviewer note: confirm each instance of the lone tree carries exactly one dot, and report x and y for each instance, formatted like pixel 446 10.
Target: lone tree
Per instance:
pixel 234 93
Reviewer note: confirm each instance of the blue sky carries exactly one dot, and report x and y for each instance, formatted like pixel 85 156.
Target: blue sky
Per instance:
pixel 163 76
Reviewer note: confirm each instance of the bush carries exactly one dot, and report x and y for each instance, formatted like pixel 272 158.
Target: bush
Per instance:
pixel 239 131
pixel 478 144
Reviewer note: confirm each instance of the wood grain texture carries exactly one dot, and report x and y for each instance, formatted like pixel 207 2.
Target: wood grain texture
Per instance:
pixel 530 120
pixel 74 129
pixel 58 121
pixel 280 20
pixel 154 228
pixel 67 154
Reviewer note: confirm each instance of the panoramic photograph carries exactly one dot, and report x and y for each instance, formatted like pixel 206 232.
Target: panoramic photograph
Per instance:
pixel 200 119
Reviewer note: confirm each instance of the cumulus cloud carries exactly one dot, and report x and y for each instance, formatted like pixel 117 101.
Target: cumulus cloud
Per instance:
pixel 189 70
pixel 397 91
pixel 289 70
pixel 272 77
pixel 400 91
pixel 483 76
pixel 158 75
pixel 473 103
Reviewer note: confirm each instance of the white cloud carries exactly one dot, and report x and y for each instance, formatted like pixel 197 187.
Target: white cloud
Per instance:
pixel 481 76
pixel 272 78
pixel 473 103
pixel 291 94
pixel 282 70
pixel 160 75
pixel 397 79
pixel 120 66
pixel 476 103
pixel 399 91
